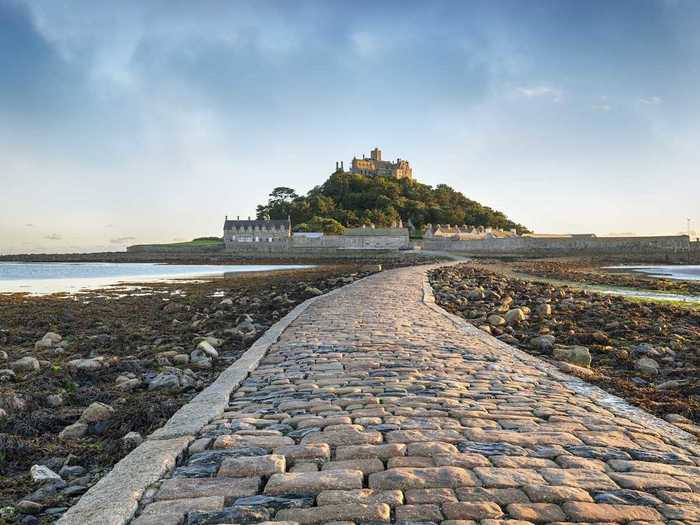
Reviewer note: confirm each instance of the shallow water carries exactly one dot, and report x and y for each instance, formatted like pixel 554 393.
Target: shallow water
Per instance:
pixel 688 272
pixel 46 278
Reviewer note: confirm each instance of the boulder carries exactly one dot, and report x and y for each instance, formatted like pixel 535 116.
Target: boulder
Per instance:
pixel 495 320
pixel 3 355
pixel 577 355
pixel 226 303
pixel 97 412
pixel 173 380
pixel 543 342
pixel 86 365
pixel 543 309
pixel 7 375
pixel 475 294
pixel 200 359
pixel 171 308
pixel 647 367
pixel 54 400
pixel 49 340
pixel 312 291
pixel 25 364
pixel 74 431
pixel 42 474
pixel 208 349
pixel 514 316
pixel 132 440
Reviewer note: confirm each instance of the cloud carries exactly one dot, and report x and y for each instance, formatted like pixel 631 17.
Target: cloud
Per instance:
pixel 651 101
pixel 53 237
pixel 178 239
pixel 29 225
pixel 540 91
pixel 601 107
pixel 122 240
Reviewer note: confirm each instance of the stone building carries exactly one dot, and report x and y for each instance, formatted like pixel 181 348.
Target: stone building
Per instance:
pixel 465 233
pixel 246 231
pixel 376 167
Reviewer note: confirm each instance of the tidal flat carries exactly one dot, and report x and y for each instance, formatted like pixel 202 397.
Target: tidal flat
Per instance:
pixel 647 352
pixel 84 377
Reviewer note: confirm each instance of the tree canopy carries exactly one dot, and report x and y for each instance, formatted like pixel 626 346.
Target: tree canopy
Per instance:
pixel 354 200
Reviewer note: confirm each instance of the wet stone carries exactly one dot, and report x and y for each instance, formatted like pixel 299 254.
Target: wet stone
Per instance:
pixel 626 497
pixel 491 449
pixel 602 453
pixel 242 515
pixel 275 502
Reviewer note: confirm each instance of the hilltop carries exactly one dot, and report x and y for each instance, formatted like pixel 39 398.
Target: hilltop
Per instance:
pixel 352 200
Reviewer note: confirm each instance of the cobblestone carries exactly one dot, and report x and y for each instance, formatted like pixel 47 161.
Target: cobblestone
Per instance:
pixel 375 407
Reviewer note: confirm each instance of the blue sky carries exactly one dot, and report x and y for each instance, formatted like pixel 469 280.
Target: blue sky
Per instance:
pixel 131 121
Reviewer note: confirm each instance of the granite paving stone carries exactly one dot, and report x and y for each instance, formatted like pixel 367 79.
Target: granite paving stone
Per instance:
pixel 375 406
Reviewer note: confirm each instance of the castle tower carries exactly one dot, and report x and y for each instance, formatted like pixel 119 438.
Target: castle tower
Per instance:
pixel 376 154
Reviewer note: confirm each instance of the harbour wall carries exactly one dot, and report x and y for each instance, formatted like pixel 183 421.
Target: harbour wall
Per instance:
pixel 671 248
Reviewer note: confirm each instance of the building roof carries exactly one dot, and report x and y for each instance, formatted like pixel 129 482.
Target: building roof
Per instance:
pixel 257 223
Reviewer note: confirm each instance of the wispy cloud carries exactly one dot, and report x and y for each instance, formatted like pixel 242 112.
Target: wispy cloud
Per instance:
pixel 53 237
pixel 122 240
pixel 651 101
pixel 601 107
pixel 540 91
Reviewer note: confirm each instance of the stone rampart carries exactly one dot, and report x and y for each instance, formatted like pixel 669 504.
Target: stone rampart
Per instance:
pixel 672 247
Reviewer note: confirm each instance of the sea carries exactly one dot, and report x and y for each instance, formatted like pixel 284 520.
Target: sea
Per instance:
pixel 689 272
pixel 47 278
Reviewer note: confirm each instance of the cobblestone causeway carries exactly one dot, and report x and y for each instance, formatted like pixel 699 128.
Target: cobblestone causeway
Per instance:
pixel 375 407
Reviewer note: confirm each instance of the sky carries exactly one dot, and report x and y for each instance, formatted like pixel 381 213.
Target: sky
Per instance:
pixel 149 121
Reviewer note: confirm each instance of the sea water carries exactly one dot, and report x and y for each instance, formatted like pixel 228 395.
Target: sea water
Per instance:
pixel 44 278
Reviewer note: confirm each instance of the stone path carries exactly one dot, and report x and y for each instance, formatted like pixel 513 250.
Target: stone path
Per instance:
pixel 376 407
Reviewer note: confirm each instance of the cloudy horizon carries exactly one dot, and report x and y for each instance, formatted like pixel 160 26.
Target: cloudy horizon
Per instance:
pixel 136 122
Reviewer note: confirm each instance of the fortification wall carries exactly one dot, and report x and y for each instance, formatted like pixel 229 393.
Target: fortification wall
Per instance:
pixel 676 247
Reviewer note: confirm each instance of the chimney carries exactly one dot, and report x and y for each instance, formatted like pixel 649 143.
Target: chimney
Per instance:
pixel 248 217
pixel 342 168
pixel 238 217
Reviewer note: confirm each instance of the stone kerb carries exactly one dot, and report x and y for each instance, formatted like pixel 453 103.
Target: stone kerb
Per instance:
pixel 114 499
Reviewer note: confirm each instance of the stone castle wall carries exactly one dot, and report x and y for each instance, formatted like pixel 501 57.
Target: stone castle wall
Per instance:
pixel 672 247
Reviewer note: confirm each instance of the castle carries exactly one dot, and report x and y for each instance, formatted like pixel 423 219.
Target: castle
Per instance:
pixel 376 167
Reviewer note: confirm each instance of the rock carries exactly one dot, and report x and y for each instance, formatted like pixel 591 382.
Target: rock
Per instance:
pixel 74 431
pixel 85 365
pixel 3 355
pixel 7 375
pixel 496 320
pixel 514 316
pixel 543 342
pixel 11 401
pixel 226 303
pixel 643 349
pixel 208 349
pixel 54 400
pixel 132 440
pixel 475 294
pixel 180 359
pixel 171 308
pixel 312 292
pixel 543 309
pixel 25 364
pixel 2 413
pixel 577 355
pixel 173 380
pixel 49 340
pixel 371 268
pixel 97 412
pixel 71 471
pixel 647 367
pixel 41 474
pixel 200 359
pixel 28 507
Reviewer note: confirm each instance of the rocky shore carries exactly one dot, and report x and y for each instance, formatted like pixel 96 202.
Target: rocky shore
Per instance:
pixel 647 353
pixel 595 272
pixel 83 379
